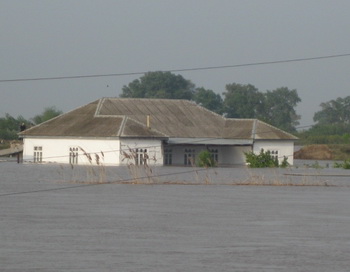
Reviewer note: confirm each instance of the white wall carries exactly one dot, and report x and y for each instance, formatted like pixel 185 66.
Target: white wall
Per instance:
pixel 57 150
pixel 284 148
pixel 228 155
pixel 234 155
pixel 154 150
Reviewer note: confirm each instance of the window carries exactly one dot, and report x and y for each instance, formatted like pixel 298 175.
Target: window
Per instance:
pixel 38 154
pixel 168 156
pixel 141 156
pixel 73 155
pixel 189 157
pixel 274 154
pixel 214 154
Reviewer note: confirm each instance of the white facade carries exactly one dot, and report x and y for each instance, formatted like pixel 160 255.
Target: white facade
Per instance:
pixel 224 155
pixel 280 149
pixel 90 151
pixel 72 150
pixel 137 150
pixel 115 151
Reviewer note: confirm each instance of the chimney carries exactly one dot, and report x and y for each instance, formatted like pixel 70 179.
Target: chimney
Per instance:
pixel 148 121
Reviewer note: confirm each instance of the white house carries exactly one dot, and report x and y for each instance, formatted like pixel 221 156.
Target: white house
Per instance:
pixel 117 131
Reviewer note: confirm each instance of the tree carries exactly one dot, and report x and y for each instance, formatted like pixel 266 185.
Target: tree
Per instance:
pixel 208 99
pixel 243 101
pixel 334 112
pixel 10 126
pixel 274 107
pixel 47 114
pixel 279 108
pixel 160 85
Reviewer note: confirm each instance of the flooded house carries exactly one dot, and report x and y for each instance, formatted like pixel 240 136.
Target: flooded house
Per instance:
pixel 118 131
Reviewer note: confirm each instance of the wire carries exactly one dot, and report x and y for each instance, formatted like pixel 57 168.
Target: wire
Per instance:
pixel 178 70
pixel 94 184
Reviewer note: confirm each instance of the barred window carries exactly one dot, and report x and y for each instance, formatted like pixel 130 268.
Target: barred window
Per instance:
pixel 38 154
pixel 168 156
pixel 189 157
pixel 274 154
pixel 73 155
pixel 214 154
pixel 141 156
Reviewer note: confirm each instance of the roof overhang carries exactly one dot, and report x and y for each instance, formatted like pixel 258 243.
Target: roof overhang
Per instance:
pixel 209 141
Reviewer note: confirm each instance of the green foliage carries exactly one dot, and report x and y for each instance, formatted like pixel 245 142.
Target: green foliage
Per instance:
pixel 205 159
pixel 208 99
pixel 160 85
pixel 284 163
pixel 326 134
pixel 261 160
pixel 332 125
pixel 279 108
pixel 344 165
pixel 10 126
pixel 47 114
pixel 275 107
pixel 334 112
pixel 243 101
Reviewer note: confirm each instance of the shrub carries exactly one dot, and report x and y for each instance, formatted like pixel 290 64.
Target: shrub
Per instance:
pixel 285 162
pixel 205 159
pixel 264 159
pixel 344 165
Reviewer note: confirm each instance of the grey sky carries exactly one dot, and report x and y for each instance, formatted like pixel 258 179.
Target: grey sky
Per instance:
pixel 82 37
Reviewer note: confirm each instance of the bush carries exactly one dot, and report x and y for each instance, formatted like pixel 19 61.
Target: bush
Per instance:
pixel 264 159
pixel 205 159
pixel 344 165
pixel 285 162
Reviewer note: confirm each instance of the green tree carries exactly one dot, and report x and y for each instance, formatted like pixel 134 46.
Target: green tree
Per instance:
pixel 160 85
pixel 208 99
pixel 332 125
pixel 279 108
pixel 275 107
pixel 47 114
pixel 334 112
pixel 243 101
pixel 10 126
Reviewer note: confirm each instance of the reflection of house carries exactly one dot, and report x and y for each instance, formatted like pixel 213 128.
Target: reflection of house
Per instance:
pixel 115 131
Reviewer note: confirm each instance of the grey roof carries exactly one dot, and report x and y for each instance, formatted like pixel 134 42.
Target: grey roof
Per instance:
pixel 127 117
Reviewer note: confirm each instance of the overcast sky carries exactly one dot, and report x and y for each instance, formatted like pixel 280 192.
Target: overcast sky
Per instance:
pixel 47 38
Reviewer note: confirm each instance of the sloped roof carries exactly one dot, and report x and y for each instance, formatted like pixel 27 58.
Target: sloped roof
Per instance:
pixel 254 129
pixel 127 117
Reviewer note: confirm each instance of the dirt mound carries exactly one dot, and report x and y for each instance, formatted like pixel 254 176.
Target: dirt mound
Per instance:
pixel 314 152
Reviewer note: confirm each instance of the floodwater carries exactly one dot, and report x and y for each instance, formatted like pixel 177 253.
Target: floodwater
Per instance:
pixel 57 218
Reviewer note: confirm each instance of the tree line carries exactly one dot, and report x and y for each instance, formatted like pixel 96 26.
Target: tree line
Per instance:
pixel 10 126
pixel 275 107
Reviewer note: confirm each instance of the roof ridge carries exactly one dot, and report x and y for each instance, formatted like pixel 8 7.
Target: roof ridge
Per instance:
pixel 126 118
pixel 281 130
pixel 122 126
pixel 144 98
pixel 99 105
pixel 54 118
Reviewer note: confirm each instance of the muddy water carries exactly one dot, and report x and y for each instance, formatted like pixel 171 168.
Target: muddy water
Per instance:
pixel 125 227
